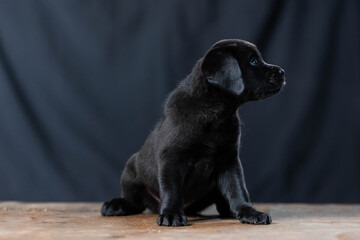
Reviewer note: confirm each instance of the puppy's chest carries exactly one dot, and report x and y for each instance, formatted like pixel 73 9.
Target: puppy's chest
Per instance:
pixel 206 149
pixel 205 152
pixel 211 139
pixel 221 133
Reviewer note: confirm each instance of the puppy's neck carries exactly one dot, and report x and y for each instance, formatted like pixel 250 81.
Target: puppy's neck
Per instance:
pixel 194 84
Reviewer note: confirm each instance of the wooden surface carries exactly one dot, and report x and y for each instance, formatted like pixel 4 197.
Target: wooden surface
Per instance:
pixel 83 221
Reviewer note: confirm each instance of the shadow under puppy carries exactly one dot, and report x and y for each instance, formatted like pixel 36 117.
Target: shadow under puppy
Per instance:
pixel 191 159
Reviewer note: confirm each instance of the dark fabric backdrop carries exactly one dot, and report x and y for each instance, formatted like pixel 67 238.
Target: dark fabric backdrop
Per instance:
pixel 82 83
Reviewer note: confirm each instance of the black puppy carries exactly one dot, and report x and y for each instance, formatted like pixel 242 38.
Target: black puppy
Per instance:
pixel 191 159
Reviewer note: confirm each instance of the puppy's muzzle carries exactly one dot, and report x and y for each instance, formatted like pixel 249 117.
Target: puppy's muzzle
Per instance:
pixel 277 78
pixel 282 73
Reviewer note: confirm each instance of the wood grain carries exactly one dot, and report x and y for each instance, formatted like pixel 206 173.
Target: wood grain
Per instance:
pixel 83 221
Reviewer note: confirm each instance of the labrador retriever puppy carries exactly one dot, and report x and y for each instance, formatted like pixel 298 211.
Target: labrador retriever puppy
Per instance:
pixel 191 159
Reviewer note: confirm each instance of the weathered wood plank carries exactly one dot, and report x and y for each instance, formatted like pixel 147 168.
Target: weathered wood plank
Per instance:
pixel 83 221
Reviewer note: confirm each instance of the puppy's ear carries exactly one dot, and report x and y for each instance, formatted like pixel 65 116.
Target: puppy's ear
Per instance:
pixel 222 70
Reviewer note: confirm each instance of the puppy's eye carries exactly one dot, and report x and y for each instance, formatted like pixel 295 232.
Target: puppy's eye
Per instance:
pixel 254 61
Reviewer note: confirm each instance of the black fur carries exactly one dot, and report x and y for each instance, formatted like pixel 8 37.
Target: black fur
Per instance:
pixel 191 159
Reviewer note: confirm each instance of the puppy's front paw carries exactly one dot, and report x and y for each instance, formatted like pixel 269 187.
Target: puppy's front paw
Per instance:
pixel 174 220
pixel 252 216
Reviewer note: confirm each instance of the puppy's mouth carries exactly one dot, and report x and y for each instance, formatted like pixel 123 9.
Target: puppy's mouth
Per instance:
pixel 264 93
pixel 267 93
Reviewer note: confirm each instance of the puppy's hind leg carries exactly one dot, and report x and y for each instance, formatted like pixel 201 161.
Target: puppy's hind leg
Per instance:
pixel 134 195
pixel 120 207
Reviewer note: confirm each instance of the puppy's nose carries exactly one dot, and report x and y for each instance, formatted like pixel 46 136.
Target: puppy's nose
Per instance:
pixel 282 72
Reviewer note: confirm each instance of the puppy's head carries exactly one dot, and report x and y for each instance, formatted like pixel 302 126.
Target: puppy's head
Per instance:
pixel 236 67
